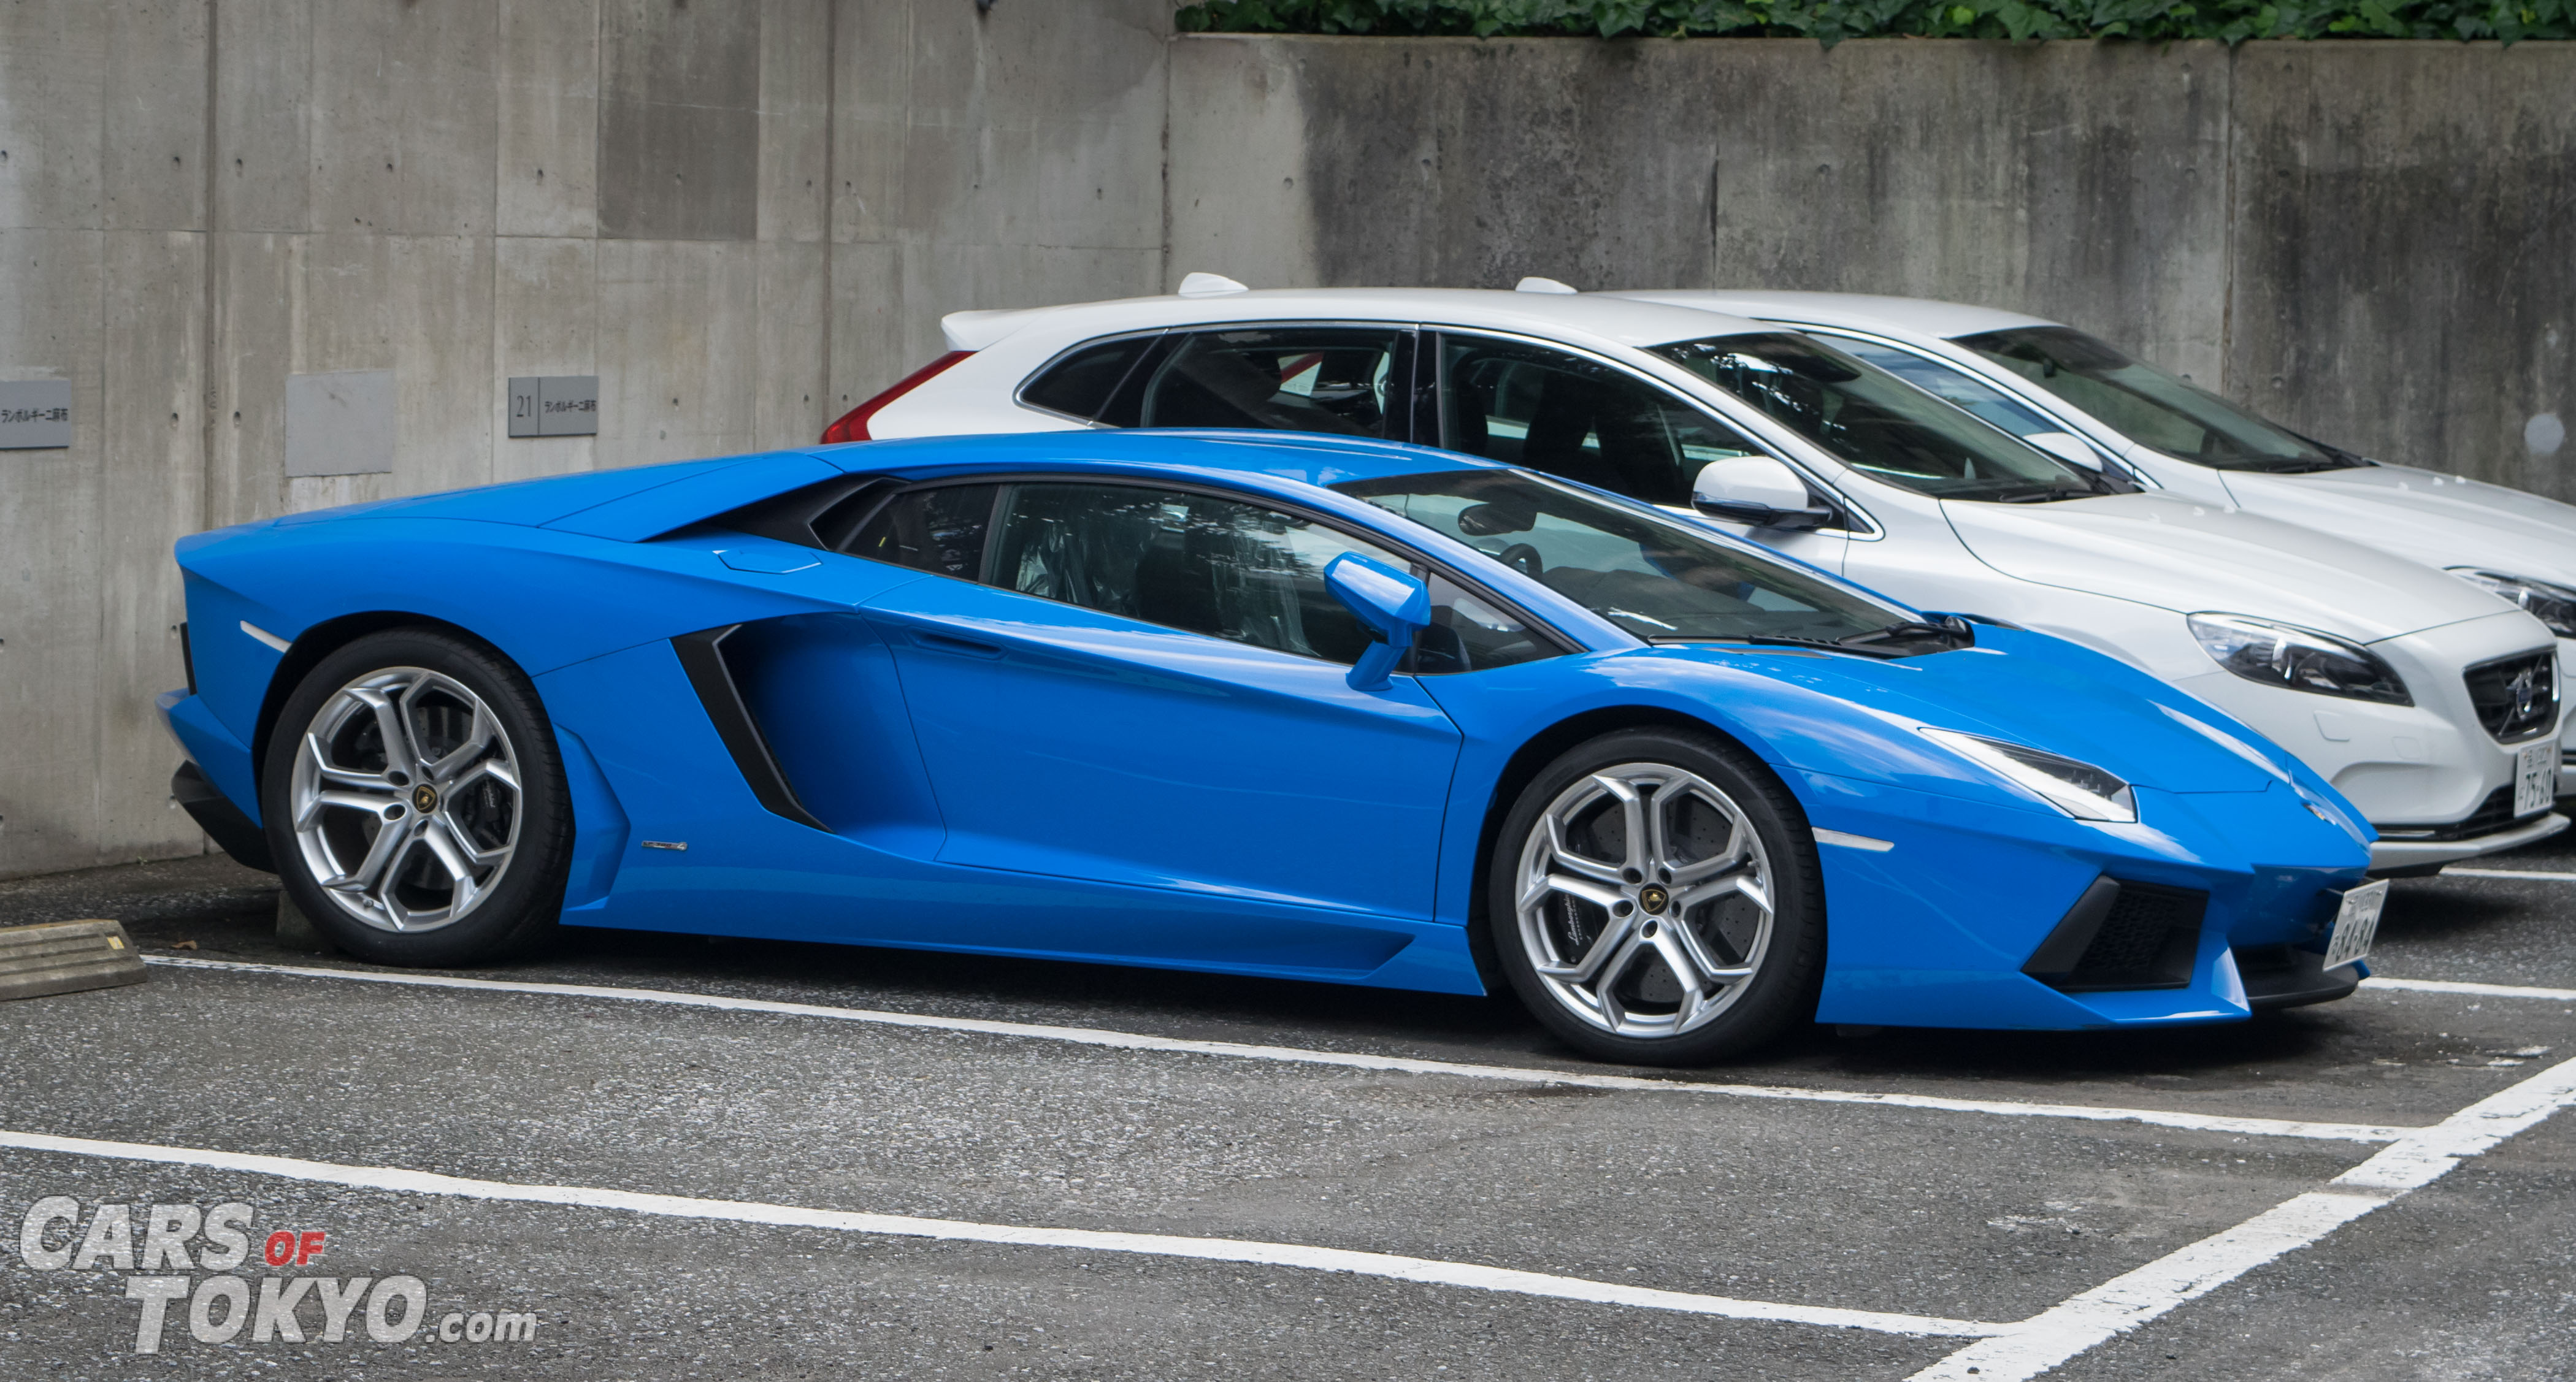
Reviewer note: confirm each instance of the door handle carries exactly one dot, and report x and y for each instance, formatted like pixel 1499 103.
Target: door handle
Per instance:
pixel 946 643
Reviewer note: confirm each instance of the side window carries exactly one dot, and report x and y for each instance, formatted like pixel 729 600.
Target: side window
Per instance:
pixel 1348 381
pixel 1565 415
pixel 1187 561
pixel 1950 385
pixel 1469 635
pixel 938 530
pixel 1082 383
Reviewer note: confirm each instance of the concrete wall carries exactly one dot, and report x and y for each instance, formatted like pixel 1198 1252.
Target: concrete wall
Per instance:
pixel 746 215
pixel 742 215
pixel 2370 240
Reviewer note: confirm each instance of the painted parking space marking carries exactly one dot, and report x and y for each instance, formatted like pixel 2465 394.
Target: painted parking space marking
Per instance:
pixel 1422 1270
pixel 2133 1298
pixel 2472 990
pixel 1094 1036
pixel 2537 875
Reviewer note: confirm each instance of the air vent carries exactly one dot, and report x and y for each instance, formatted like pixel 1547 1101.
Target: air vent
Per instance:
pixel 2123 935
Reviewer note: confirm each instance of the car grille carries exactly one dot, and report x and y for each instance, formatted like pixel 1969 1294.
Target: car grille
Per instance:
pixel 2516 697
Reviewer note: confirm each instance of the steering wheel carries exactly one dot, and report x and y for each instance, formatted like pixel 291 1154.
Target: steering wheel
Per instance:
pixel 1523 557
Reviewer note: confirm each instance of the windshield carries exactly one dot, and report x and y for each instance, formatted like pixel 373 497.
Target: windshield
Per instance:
pixel 1879 424
pixel 2149 406
pixel 1659 579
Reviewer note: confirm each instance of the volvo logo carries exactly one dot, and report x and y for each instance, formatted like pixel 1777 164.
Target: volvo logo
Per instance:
pixel 424 798
pixel 2524 687
pixel 1652 898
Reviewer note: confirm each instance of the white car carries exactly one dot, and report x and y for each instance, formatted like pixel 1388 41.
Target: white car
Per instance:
pixel 2418 695
pixel 2074 394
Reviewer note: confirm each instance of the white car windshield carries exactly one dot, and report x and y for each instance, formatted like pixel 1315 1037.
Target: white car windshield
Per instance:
pixel 1662 580
pixel 1879 424
pixel 2149 406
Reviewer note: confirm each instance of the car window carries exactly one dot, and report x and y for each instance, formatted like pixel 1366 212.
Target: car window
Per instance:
pixel 1081 382
pixel 940 530
pixel 1347 381
pixel 1187 561
pixel 2147 405
pixel 1656 577
pixel 1954 386
pixel 1877 424
pixel 1563 414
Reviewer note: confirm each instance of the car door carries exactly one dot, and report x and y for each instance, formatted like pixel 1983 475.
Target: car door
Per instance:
pixel 1149 686
pixel 1555 411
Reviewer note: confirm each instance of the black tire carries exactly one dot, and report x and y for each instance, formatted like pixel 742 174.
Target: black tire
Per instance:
pixel 508 911
pixel 1786 960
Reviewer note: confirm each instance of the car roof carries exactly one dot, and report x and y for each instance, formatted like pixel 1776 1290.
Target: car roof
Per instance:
pixel 1300 457
pixel 1603 317
pixel 1859 311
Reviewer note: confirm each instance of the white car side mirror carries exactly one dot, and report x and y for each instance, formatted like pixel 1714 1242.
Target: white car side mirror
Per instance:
pixel 2067 447
pixel 1756 490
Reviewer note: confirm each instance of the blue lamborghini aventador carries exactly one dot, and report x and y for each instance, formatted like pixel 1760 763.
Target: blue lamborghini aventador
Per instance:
pixel 1320 709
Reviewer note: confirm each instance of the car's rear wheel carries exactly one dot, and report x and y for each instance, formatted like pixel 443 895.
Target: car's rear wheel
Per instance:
pixel 1654 899
pixel 415 803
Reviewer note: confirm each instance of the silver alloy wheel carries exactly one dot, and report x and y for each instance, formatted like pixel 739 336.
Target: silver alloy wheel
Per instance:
pixel 406 799
pixel 1645 900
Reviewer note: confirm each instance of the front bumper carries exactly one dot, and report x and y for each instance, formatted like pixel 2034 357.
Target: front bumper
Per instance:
pixel 1945 926
pixel 2386 855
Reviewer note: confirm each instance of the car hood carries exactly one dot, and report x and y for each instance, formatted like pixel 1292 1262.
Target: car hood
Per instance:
pixel 2018 686
pixel 2174 554
pixel 2440 520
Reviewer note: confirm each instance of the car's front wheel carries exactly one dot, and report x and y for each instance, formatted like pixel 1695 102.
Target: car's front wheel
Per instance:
pixel 415 803
pixel 1654 899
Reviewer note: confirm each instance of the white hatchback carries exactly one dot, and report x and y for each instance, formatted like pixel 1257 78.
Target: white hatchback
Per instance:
pixel 2416 694
pixel 2059 388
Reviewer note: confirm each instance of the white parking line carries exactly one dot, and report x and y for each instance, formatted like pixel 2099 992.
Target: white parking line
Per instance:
pixel 2509 873
pixel 2474 990
pixel 1424 1270
pixel 2127 1301
pixel 1093 1036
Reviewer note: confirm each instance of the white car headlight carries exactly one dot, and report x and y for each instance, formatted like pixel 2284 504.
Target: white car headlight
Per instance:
pixel 2297 658
pixel 2079 789
pixel 2554 605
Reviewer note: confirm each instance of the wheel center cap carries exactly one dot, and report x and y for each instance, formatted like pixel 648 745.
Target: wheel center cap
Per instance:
pixel 424 798
pixel 1652 898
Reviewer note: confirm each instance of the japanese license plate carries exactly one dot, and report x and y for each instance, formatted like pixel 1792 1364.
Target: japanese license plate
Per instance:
pixel 2356 923
pixel 2535 777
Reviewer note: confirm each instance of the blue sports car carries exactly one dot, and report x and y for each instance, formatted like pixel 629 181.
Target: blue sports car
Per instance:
pixel 1319 709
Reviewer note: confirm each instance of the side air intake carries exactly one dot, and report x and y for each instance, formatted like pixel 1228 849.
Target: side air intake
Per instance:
pixel 2122 936
pixel 702 657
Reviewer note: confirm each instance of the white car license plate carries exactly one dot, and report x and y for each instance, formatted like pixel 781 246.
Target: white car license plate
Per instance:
pixel 2356 923
pixel 2535 777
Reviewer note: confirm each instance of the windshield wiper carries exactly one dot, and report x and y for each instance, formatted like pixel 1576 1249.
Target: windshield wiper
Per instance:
pixel 2049 494
pixel 1951 632
pixel 1777 640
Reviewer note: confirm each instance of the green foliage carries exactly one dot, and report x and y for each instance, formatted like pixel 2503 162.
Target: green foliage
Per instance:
pixel 1831 21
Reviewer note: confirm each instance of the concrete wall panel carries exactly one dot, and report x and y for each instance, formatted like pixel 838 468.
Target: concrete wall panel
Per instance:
pixel 545 320
pixel 548 120
pixel 403 124
pixel 679 119
pixel 262 52
pixel 2406 251
pixel 795 119
pixel 678 354
pixel 152 155
pixel 258 280
pixel 50 59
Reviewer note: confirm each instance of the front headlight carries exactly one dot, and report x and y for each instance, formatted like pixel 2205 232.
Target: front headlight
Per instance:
pixel 2300 659
pixel 2078 789
pixel 2554 605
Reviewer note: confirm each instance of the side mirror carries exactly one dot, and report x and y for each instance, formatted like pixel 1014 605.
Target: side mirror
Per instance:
pixel 1756 490
pixel 1391 603
pixel 2067 447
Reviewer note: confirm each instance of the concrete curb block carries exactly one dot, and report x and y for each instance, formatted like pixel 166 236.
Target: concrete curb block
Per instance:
pixel 66 957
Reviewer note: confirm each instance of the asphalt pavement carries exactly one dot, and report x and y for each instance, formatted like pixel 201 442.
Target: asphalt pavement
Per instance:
pixel 642 1157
